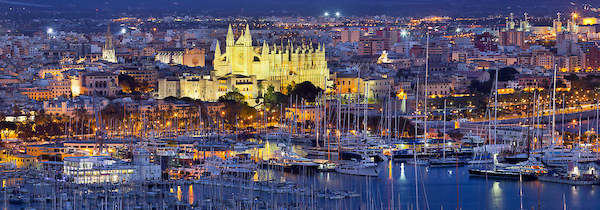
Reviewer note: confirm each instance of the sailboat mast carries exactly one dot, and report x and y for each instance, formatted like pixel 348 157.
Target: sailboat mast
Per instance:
pixel 554 105
pixel 365 110
pixel 426 76
pixel 415 147
pixel 444 131
pixel 496 106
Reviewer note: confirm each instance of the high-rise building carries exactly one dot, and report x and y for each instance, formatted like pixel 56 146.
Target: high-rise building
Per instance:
pixel 371 45
pixel 591 52
pixel 350 35
pixel 512 38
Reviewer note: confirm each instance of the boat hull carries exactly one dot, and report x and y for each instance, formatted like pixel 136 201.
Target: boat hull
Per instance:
pixel 501 175
pixel 567 181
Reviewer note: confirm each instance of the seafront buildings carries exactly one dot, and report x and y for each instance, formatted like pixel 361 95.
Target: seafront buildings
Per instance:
pixel 158 108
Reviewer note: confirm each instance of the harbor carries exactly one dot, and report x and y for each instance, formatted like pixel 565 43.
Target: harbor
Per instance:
pixel 252 105
pixel 394 188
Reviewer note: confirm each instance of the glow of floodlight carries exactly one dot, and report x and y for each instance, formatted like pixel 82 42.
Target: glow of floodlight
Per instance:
pixel 326 14
pixel 337 14
pixel 458 30
pixel 123 30
pixel 50 31
pixel 404 33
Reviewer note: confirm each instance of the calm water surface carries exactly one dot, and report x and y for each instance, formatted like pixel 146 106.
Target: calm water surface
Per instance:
pixel 439 188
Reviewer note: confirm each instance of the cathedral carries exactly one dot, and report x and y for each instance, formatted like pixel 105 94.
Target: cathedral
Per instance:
pixel 250 69
pixel 108 52
pixel 284 63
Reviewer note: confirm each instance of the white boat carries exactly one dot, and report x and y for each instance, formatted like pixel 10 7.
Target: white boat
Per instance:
pixel 418 162
pixel 530 166
pixel 362 168
pixel 560 157
pixel 276 136
pixel 444 162
pixel 481 161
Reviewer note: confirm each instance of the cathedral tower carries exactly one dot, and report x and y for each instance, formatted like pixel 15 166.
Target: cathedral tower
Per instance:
pixel 108 52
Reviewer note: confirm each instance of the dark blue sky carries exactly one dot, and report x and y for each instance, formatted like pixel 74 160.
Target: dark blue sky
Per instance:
pixel 312 7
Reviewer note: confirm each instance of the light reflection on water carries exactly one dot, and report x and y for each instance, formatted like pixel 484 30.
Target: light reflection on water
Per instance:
pixel 497 195
pixel 438 188
pixel 191 194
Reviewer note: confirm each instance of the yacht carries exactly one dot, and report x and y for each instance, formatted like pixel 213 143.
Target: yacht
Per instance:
pixel 526 171
pixel 560 157
pixel 446 162
pixel 359 168
pixel 418 162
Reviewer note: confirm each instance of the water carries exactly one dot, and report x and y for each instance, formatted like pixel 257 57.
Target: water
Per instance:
pixel 443 187
pixel 394 188
pixel 439 188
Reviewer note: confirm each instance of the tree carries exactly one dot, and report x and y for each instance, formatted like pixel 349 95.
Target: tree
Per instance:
pixel 505 74
pixel 572 77
pixel 127 83
pixel 235 96
pixel 306 90
pixel 112 111
pixel 171 98
pixel 481 87
pixel 273 99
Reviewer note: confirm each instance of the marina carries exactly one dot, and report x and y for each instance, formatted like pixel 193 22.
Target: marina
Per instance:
pixel 299 104
pixel 439 188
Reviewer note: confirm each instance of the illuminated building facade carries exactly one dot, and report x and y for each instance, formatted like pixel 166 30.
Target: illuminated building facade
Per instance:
pixel 287 64
pixel 104 169
pixel 97 169
pixel 100 84
pixel 108 52
pixel 249 69
pixel 188 57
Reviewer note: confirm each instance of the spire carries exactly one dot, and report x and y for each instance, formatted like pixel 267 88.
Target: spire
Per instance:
pixel 230 39
pixel 217 50
pixel 247 35
pixel 265 48
pixel 108 42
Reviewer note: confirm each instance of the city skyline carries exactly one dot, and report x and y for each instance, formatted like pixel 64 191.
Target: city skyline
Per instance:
pixel 306 7
pixel 265 104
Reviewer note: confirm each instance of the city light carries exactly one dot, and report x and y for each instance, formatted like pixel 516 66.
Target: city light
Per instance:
pixel 111 101
pixel 404 33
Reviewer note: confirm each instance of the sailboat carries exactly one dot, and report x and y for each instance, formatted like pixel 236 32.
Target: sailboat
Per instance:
pixel 445 161
pixel 364 167
pixel 557 156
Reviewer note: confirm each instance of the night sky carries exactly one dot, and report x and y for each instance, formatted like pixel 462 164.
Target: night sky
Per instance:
pixel 311 7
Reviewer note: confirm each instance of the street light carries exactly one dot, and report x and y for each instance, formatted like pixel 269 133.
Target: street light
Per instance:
pixel 403 33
